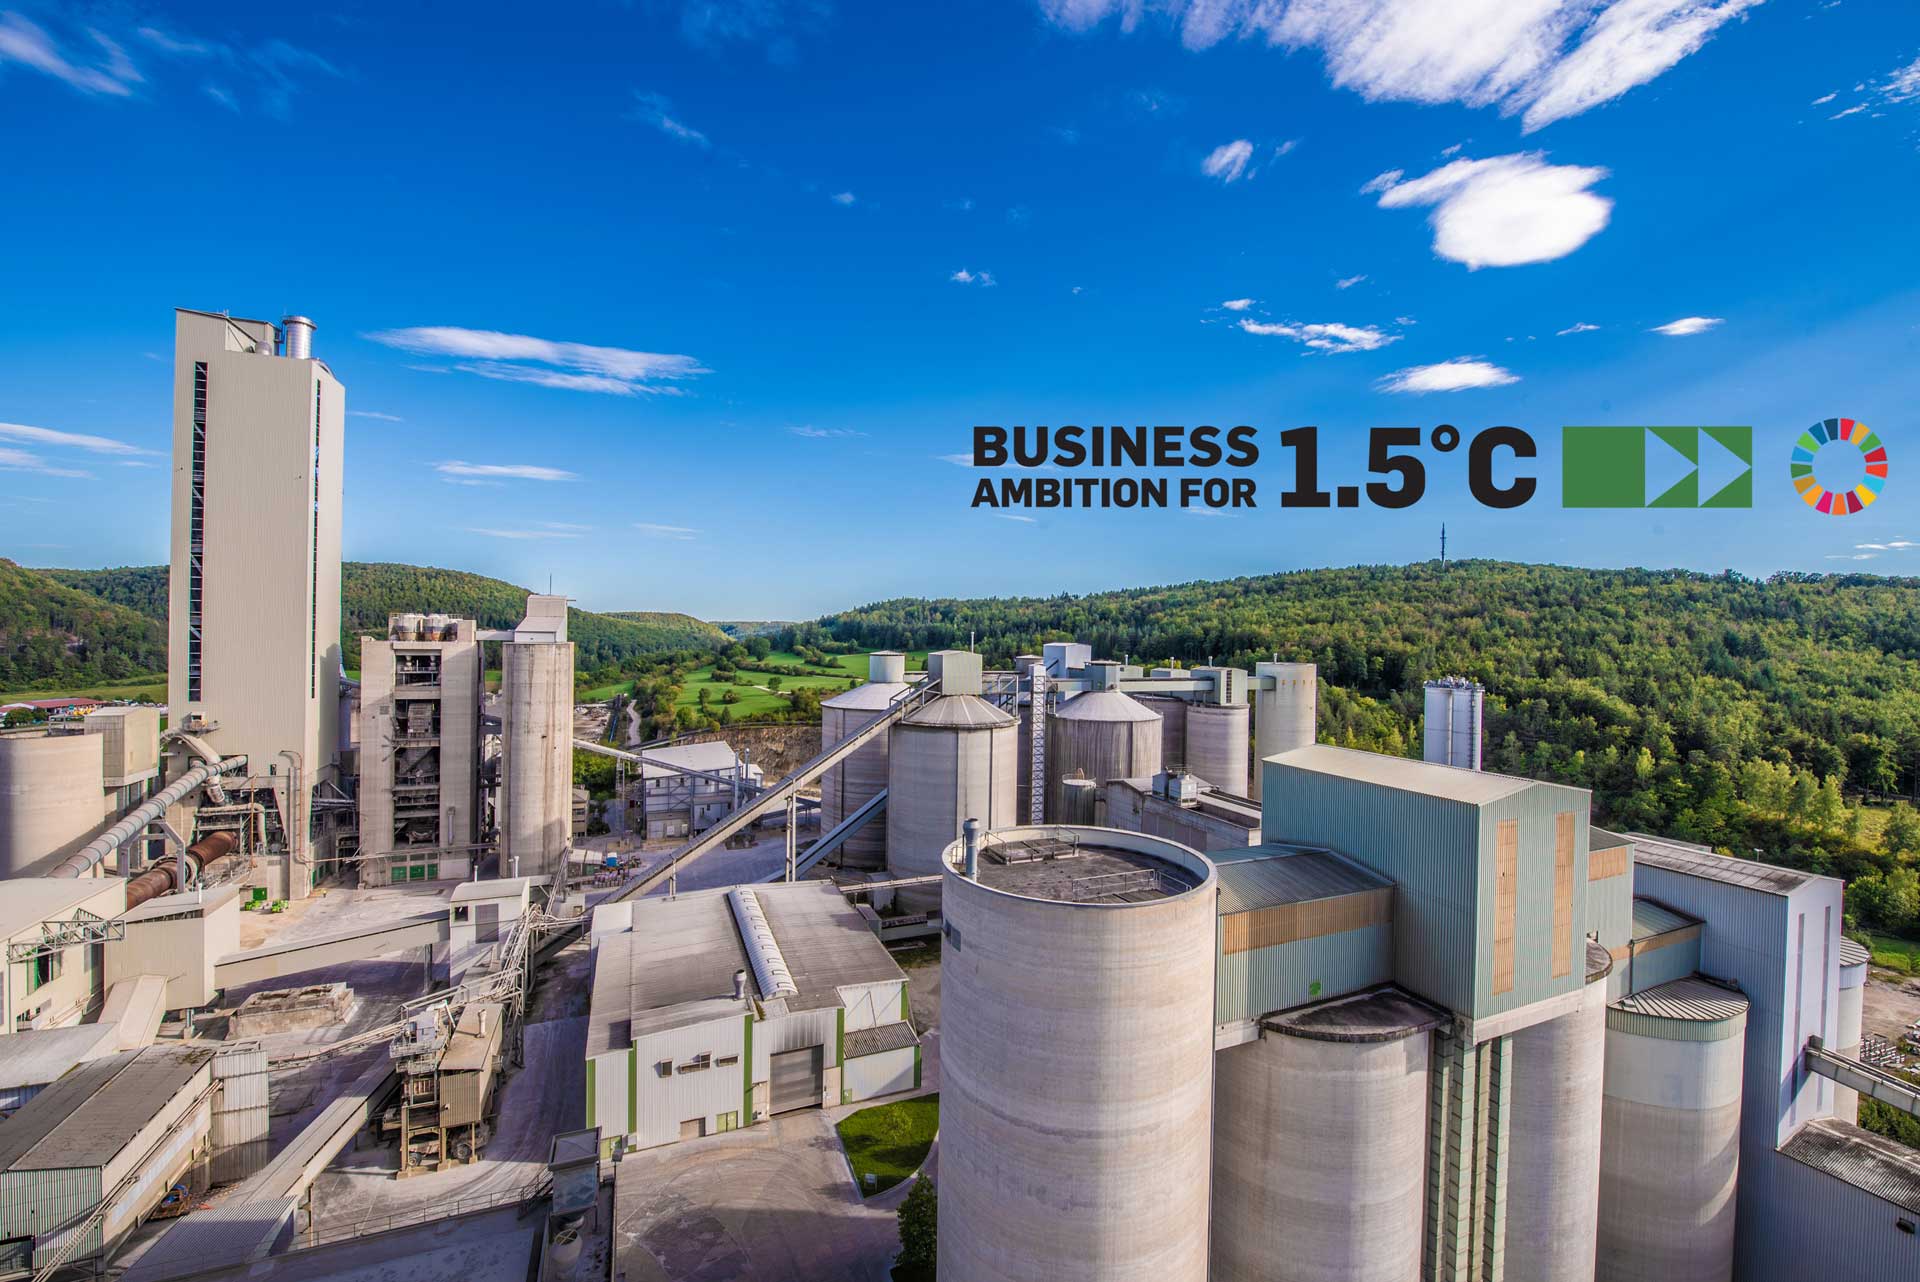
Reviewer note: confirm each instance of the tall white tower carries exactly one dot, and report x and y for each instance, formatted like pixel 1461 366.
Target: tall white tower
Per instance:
pixel 254 604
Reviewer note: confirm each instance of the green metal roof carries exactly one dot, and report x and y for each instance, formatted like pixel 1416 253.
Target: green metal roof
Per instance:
pixel 1651 917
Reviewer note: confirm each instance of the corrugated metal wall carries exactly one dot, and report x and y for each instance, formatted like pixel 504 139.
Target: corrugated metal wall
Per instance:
pixel 887 1073
pixel 240 1114
pixel 871 1005
pixel 660 1104
pixel 1260 981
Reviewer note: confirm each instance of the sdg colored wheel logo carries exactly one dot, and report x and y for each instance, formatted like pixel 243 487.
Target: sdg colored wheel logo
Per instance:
pixel 1851 458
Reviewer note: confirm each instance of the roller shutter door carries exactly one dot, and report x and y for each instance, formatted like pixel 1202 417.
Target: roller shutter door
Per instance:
pixel 797 1080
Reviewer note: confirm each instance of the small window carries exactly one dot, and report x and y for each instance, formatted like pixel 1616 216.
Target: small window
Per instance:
pixel 699 1063
pixel 462 912
pixel 725 1060
pixel 664 1068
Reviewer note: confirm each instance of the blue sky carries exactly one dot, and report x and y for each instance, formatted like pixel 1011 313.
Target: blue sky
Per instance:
pixel 687 304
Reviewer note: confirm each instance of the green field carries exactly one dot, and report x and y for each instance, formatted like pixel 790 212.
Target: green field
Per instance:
pixel 1893 952
pixel 138 689
pixel 755 700
pixel 889 1140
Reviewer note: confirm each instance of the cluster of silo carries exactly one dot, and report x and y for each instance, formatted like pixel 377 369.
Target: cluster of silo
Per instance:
pixel 953 759
pixel 854 782
pixel 1319 1144
pixel 1077 1058
pixel 1450 727
pixel 1101 735
pixel 410 626
pixel 1553 1156
pixel 1670 1160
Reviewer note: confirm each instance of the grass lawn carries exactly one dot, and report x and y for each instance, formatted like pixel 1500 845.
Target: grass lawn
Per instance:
pixel 143 689
pixel 889 1140
pixel 1893 952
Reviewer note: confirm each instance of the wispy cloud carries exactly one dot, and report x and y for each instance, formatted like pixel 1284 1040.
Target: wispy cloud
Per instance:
pixel 843 198
pixel 1009 516
pixel 672 533
pixel 1228 161
pixel 655 110
pixel 1854 556
pixel 1325 337
pixel 1902 85
pixel 67 440
pixel 1688 325
pixel 1854 110
pixel 1824 99
pixel 546 362
pixel 824 433
pixel 1503 211
pixel 177 46
pixel 1578 327
pixel 1460 374
pixel 1238 304
pixel 1891 545
pixel 105 70
pixel 12 460
pixel 1544 60
pixel 542 531
pixel 384 418
pixel 503 471
pixel 967 277
pixel 1348 282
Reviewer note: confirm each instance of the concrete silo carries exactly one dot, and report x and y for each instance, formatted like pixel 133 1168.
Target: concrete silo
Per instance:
pixel 1670 1152
pixel 1286 711
pixel 1320 1143
pixel 51 795
pixel 1101 735
pixel 1076 1058
pixel 1846 1033
pixel 851 784
pixel 947 762
pixel 1451 725
pixel 1217 732
pixel 1173 727
pixel 1553 1171
pixel 536 744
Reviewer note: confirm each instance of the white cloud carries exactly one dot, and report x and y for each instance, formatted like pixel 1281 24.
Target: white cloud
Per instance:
pixel 1824 99
pixel 1228 161
pixel 1326 337
pixel 12 460
pixel 1451 151
pixel 1903 85
pixel 1009 516
pixel 23 42
pixel 1543 59
pixel 1286 147
pixel 655 110
pixel 1348 282
pixel 1854 110
pixel 966 277
pixel 384 418
pixel 672 533
pixel 503 471
pixel 1902 543
pixel 824 433
pixel 1859 556
pixel 221 96
pixel 178 46
pixel 1503 211
pixel 1578 327
pixel 523 358
pixel 1688 325
pixel 545 531
pixel 1237 304
pixel 843 198
pixel 1457 375
pixel 67 440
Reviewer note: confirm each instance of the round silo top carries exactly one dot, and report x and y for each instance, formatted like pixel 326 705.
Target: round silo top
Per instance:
pixel 874 696
pixel 1105 705
pixel 959 712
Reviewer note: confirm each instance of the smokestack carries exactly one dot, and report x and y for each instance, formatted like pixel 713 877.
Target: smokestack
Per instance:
pixel 971 835
pixel 739 985
pixel 298 331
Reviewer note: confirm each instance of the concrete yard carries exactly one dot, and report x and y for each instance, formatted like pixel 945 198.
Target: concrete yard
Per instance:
pixel 1890 1006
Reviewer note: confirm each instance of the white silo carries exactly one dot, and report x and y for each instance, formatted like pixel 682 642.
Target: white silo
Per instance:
pixel 852 784
pixel 1846 1033
pixel 536 759
pixel 1320 1144
pixel 1451 729
pixel 1553 1169
pixel 1217 731
pixel 52 795
pixel 1173 727
pixel 1076 1038
pixel 949 761
pixel 1101 735
pixel 1286 710
pixel 1670 1148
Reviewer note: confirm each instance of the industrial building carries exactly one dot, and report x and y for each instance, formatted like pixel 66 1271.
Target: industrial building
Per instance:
pixel 717 1009
pixel 52 928
pixel 254 604
pixel 421 688
pixel 59 783
pixel 686 788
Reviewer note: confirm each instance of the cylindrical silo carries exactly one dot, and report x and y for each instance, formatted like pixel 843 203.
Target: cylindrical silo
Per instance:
pixel 1076 1035
pixel 1101 735
pixel 1670 1152
pixel 1286 710
pixel 1553 1169
pixel 1217 745
pixel 1173 727
pixel 948 762
pixel 1451 722
pixel 536 759
pixel 852 784
pixel 1846 1033
pixel 1320 1144
pixel 51 796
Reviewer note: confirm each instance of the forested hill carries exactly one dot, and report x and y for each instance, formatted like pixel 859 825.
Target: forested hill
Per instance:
pixel 370 591
pixel 52 632
pixel 1665 692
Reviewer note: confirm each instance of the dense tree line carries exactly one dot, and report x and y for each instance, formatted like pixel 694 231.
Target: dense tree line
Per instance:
pixel 54 635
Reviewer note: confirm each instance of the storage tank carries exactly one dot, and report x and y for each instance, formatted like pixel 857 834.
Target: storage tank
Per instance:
pixel 1100 735
pixel 952 760
pixel 1553 1168
pixel 1076 1059
pixel 1320 1143
pixel 1217 745
pixel 851 784
pixel 536 766
pixel 1451 726
pixel 51 796
pixel 1670 1152
pixel 1173 727
pixel 1846 1033
pixel 1287 716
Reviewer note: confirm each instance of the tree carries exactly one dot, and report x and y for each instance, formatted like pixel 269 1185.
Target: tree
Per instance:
pixel 920 1227
pixel 1828 807
pixel 1902 832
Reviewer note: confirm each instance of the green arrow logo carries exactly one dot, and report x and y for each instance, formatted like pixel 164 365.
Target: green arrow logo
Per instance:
pixel 1663 467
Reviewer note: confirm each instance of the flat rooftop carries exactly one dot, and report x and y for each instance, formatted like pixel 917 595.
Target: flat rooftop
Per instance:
pixel 1403 774
pixel 1080 872
pixel 93 1112
pixel 1700 861
pixel 32 900
pixel 1279 872
pixel 1880 1166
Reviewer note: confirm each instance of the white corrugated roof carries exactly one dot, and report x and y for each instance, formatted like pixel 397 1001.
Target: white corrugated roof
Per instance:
pixel 714 757
pixel 28 901
pixel 874 696
pixel 1474 787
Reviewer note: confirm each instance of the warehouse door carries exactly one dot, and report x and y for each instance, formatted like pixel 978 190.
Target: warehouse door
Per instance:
pixel 797 1080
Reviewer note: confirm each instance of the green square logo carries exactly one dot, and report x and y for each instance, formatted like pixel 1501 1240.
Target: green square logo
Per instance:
pixel 1656 467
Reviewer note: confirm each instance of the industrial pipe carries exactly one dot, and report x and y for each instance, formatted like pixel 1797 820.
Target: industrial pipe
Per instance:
pixel 971 835
pixel 84 860
pixel 212 853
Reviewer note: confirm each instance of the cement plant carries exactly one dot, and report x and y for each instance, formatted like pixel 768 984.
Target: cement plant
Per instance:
pixel 311 977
